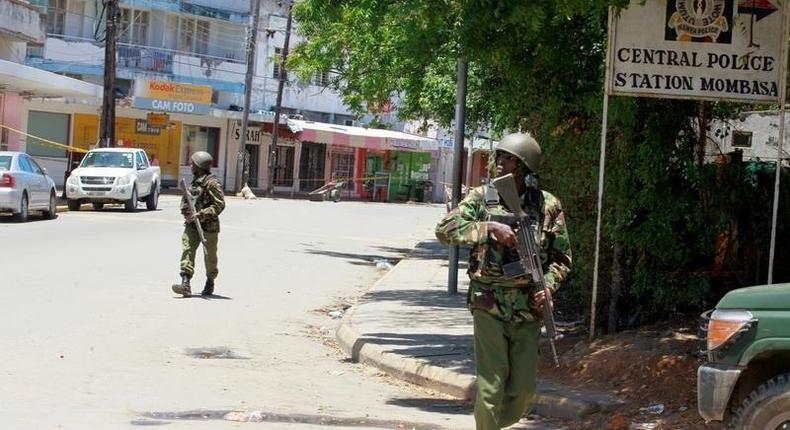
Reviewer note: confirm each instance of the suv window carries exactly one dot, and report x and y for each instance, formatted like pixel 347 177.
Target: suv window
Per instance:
pixel 141 160
pixel 5 162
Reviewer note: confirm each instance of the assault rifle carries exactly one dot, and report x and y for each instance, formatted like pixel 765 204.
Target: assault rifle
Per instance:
pixel 192 212
pixel 528 252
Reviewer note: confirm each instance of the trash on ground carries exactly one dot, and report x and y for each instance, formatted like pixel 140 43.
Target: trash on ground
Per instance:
pixel 656 409
pixel 646 426
pixel 382 264
pixel 336 314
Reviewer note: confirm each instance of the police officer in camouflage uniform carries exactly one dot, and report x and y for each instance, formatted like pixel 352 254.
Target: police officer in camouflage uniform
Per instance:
pixel 209 203
pixel 506 309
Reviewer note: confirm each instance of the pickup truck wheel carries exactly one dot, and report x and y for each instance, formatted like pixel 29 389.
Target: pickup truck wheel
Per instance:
pixel 131 204
pixel 153 198
pixel 52 210
pixel 23 213
pixel 98 206
pixel 74 205
pixel 766 408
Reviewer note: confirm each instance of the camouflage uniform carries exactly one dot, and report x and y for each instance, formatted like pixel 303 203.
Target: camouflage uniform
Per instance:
pixel 209 203
pixel 506 332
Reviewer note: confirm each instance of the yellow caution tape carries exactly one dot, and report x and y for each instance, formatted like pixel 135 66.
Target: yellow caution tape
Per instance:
pixel 47 142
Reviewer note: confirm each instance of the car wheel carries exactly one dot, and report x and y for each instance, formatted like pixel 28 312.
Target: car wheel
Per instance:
pixel 52 211
pixel 152 200
pixel 131 204
pixel 23 213
pixel 766 408
pixel 98 206
pixel 74 205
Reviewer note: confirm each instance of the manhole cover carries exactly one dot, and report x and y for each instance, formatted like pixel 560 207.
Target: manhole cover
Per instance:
pixel 219 352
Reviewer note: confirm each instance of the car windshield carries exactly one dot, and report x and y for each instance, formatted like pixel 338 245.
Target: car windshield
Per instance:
pixel 5 162
pixel 108 159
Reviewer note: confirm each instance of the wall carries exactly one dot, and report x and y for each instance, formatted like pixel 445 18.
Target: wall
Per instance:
pixel 765 136
pixel 11 108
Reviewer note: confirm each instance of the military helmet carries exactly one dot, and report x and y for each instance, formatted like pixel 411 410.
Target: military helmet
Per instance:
pixel 202 159
pixel 524 147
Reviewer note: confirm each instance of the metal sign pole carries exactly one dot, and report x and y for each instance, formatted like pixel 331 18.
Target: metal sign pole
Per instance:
pixel 601 171
pixel 779 147
pixel 458 155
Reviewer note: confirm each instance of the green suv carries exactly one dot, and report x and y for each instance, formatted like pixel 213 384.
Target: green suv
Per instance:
pixel 746 381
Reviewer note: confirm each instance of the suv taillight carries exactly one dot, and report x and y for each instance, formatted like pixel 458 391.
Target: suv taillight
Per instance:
pixel 6 180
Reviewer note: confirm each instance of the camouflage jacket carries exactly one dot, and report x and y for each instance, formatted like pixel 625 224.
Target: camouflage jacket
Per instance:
pixel 209 201
pixel 490 290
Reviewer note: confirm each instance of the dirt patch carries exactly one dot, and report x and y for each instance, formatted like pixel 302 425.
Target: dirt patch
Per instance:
pixel 653 368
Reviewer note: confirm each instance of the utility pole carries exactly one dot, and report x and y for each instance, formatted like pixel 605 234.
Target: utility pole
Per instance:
pixel 281 83
pixel 458 160
pixel 107 124
pixel 255 12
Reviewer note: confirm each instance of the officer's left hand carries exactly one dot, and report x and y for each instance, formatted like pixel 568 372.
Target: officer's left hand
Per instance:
pixel 538 297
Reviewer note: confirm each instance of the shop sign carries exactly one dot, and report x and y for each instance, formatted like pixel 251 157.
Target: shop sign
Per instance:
pixel 404 144
pixel 254 133
pixel 167 96
pixel 158 119
pixel 143 127
pixel 690 49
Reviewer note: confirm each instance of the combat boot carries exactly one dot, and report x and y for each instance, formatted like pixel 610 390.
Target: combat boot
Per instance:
pixel 209 288
pixel 183 288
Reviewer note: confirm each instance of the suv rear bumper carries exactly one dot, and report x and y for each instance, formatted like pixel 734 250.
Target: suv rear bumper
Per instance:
pixel 715 382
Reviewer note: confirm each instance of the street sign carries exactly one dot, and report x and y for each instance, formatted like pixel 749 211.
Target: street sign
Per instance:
pixel 705 50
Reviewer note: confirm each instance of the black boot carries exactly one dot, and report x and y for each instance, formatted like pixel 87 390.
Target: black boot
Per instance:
pixel 183 288
pixel 208 290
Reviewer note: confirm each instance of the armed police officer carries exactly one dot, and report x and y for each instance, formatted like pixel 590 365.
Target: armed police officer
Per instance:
pixel 506 309
pixel 209 200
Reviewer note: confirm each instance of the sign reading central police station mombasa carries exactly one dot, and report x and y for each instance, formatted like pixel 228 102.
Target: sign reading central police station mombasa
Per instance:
pixel 167 96
pixel 699 49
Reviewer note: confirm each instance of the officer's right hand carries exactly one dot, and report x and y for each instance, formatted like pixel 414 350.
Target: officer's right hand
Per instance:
pixel 502 233
pixel 190 218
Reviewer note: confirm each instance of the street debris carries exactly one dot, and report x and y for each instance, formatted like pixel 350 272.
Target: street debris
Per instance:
pixel 245 417
pixel 382 264
pixel 336 315
pixel 646 426
pixel 656 409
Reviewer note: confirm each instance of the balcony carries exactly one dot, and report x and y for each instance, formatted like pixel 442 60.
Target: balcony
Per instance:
pixel 21 21
pixel 86 56
pixel 236 11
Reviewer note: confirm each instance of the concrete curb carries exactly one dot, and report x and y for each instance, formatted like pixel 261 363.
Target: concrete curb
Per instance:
pixel 549 400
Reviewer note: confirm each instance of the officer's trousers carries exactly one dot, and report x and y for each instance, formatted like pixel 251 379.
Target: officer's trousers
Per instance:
pixel 506 358
pixel 190 242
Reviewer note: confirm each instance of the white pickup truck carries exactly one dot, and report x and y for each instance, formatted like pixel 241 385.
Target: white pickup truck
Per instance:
pixel 114 175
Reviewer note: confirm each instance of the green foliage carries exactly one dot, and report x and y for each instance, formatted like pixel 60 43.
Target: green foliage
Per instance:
pixel 539 66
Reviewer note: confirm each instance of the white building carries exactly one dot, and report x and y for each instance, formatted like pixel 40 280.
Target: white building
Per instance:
pixel 756 134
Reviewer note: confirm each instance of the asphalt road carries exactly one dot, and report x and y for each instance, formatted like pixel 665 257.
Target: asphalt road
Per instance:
pixel 93 338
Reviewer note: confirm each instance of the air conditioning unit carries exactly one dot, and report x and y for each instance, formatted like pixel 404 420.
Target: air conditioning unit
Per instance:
pixel 350 122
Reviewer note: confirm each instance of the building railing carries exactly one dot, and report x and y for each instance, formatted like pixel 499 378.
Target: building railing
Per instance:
pixel 145 58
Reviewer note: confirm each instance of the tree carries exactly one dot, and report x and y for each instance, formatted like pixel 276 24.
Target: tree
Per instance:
pixel 539 66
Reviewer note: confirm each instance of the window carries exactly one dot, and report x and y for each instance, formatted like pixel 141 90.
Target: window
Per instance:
pixel 342 167
pixel 36 168
pixel 56 16
pixel 193 35
pixel 321 79
pixel 141 161
pixel 742 139
pixel 25 164
pixel 4 139
pixel 277 60
pixel 134 27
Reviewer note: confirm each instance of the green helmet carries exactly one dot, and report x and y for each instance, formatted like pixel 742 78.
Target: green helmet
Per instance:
pixel 524 147
pixel 202 159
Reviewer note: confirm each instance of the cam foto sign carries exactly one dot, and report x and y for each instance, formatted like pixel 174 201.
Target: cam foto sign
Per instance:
pixel 167 96
pixel 698 49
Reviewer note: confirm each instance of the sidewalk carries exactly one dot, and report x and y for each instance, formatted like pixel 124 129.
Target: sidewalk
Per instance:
pixel 408 326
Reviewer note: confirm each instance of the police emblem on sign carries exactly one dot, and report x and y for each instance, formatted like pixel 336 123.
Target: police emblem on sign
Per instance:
pixel 708 21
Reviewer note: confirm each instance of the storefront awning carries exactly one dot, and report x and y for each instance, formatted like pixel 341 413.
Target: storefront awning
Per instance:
pixel 360 137
pixel 30 81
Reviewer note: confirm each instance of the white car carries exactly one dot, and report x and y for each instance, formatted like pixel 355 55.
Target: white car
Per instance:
pixel 114 175
pixel 25 186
